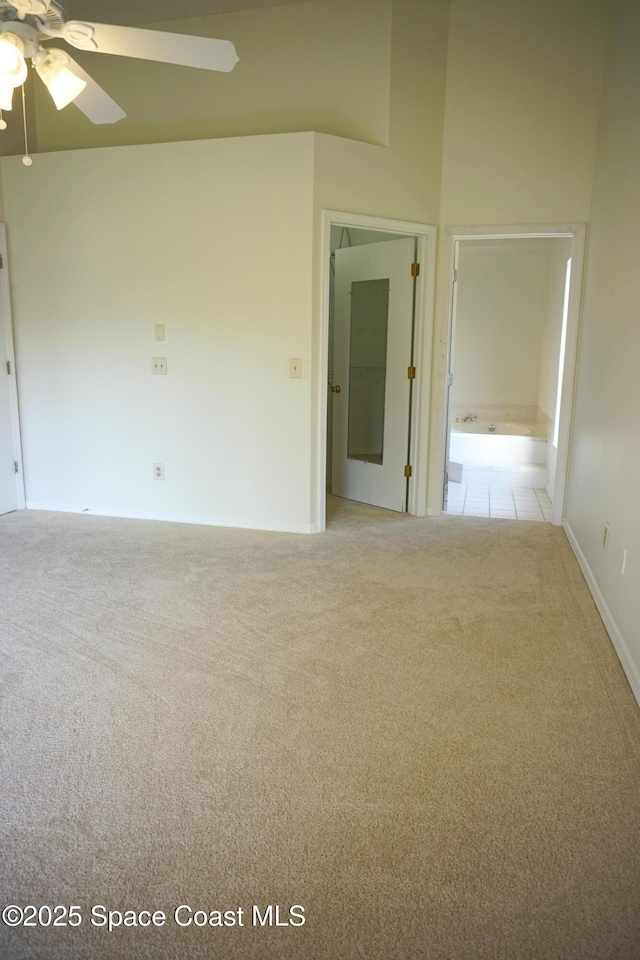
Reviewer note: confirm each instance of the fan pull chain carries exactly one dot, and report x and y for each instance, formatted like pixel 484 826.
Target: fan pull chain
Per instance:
pixel 26 159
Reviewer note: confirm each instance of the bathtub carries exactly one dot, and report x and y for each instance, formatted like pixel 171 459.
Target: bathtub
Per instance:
pixel 510 444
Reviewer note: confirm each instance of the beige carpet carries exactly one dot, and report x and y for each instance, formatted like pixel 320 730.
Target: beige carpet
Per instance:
pixel 415 729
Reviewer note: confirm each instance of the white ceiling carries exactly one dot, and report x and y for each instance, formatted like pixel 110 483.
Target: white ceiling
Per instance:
pixel 148 11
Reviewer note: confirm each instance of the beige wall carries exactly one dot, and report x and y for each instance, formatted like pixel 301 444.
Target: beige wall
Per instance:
pixel 506 344
pixel 523 91
pixel 523 94
pixel 349 175
pixel 211 238
pixel 500 318
pixel 399 182
pixel 605 461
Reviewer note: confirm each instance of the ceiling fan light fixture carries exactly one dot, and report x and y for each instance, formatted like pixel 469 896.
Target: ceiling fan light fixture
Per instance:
pixel 13 67
pixel 6 95
pixel 62 84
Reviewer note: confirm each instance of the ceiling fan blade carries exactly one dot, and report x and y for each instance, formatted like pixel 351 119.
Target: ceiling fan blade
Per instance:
pixel 203 52
pixel 94 102
pixel 36 8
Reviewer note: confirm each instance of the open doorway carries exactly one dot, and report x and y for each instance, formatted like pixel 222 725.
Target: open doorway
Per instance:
pixel 512 350
pixel 378 325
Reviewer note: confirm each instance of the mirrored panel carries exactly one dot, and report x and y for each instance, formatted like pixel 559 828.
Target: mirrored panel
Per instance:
pixel 367 369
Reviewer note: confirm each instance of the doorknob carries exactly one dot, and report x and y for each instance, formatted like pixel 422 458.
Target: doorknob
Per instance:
pixel 337 388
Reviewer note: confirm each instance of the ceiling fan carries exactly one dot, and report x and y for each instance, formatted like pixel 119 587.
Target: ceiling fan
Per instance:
pixel 26 24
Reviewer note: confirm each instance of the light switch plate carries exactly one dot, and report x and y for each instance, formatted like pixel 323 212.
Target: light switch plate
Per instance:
pixel 295 368
pixel 159 365
pixel 159 331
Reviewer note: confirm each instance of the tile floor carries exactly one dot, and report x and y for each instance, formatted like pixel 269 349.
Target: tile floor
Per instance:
pixel 514 503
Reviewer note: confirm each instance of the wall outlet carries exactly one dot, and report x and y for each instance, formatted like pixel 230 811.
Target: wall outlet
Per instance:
pixel 159 365
pixel 623 561
pixel 295 368
pixel 158 471
pixel 605 536
pixel 159 331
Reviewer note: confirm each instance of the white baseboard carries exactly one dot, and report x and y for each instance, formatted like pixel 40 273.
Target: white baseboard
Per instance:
pixel 176 518
pixel 628 664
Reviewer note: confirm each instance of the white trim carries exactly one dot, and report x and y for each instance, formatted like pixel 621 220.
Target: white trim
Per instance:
pixel 11 357
pixel 575 231
pixel 203 521
pixel 426 235
pixel 423 353
pixel 569 374
pixel 625 657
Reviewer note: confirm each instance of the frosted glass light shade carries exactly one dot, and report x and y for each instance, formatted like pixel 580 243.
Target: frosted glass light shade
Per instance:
pixel 6 95
pixel 63 85
pixel 13 68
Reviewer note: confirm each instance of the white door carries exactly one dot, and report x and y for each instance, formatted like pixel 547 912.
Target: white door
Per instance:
pixel 8 485
pixel 373 332
pixel 449 469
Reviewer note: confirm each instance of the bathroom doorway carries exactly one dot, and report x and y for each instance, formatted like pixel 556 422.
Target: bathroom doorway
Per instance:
pixel 511 358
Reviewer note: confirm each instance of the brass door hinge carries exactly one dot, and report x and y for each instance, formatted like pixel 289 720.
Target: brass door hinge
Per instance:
pixel 15 466
pixel 415 269
pixel 407 470
pixel 411 373
pixel 9 367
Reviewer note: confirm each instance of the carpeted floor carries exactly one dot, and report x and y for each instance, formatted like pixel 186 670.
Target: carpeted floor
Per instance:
pixel 417 730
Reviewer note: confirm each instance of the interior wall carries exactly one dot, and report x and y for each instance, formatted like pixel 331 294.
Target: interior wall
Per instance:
pixel 400 182
pixel 523 91
pixel 524 83
pixel 500 319
pixel 408 56
pixel 349 174
pixel 213 239
pixel 321 65
pixel 605 455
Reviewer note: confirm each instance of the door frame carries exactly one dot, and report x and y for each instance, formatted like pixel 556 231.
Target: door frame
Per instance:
pixel 426 236
pixel 5 305
pixel 577 232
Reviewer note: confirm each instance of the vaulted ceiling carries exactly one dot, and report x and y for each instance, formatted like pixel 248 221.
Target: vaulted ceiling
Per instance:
pixel 148 11
pixel 132 13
